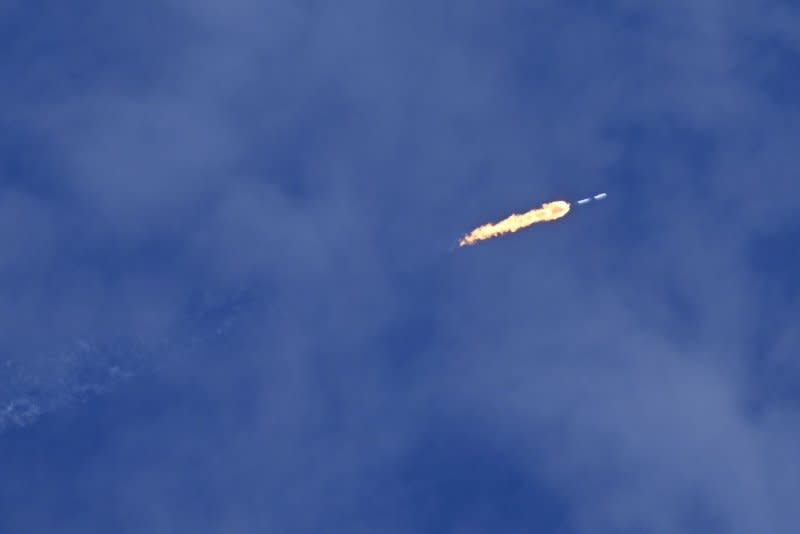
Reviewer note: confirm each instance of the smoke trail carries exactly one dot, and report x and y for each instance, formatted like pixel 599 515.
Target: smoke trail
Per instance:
pixel 548 212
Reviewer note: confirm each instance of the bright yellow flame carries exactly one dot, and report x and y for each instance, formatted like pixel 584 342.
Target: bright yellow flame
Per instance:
pixel 548 212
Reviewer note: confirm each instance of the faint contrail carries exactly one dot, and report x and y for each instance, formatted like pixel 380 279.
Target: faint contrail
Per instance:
pixel 549 211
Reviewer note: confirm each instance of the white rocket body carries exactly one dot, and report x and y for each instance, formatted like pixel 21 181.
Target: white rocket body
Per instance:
pixel 599 196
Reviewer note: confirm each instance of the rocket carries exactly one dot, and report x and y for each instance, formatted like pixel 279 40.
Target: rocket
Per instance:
pixel 599 196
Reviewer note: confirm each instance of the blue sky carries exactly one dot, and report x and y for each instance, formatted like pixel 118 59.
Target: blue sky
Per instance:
pixel 230 299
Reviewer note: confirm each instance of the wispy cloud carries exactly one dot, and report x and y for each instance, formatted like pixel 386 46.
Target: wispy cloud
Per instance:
pixel 320 160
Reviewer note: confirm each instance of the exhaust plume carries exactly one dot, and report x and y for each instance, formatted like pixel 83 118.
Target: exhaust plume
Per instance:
pixel 548 212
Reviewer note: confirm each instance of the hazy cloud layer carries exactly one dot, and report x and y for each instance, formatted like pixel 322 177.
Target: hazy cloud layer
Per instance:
pixel 240 217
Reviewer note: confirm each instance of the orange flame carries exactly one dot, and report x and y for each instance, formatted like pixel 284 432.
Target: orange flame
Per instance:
pixel 548 212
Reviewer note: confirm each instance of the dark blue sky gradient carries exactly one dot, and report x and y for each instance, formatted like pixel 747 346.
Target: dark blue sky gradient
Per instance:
pixel 231 299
